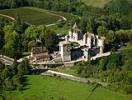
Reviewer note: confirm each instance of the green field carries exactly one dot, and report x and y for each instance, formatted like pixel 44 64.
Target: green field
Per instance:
pixel 68 16
pixel 59 30
pixel 96 3
pixel 35 15
pixel 49 88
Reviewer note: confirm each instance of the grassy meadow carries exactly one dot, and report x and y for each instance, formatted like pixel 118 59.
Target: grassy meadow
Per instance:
pixel 68 16
pixel 31 16
pixel 59 30
pixel 36 16
pixel 49 88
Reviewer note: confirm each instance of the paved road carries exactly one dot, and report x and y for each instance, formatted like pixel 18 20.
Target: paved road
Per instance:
pixel 74 78
pixel 101 55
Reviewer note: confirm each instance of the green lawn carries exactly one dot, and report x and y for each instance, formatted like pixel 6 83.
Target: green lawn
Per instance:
pixel 96 3
pixel 71 71
pixel 31 16
pixel 34 15
pixel 49 88
pixel 60 30
pixel 68 16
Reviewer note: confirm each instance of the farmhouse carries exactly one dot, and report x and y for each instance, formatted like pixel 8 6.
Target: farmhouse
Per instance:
pixel 40 54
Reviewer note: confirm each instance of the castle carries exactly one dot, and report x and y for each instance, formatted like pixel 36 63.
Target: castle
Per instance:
pixel 88 43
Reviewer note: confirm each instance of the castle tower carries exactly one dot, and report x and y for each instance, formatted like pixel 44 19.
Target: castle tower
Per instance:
pixel 75 34
pixel 89 39
pixel 100 44
pixel 65 51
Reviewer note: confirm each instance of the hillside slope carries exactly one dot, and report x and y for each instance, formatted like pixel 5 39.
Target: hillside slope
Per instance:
pixel 36 16
pixel 96 3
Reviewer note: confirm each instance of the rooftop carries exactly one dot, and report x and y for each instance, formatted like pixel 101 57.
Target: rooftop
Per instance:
pixel 38 50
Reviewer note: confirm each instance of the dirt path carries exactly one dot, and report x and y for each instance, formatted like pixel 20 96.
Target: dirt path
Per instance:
pixel 62 17
pixel 8 17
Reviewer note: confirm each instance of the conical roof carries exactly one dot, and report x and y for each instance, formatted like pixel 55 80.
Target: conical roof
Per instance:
pixel 75 26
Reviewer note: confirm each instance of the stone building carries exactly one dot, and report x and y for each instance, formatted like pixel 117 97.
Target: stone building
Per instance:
pixel 100 44
pixel 84 39
pixel 40 54
pixel 75 34
pixel 89 40
pixel 65 51
pixel 92 44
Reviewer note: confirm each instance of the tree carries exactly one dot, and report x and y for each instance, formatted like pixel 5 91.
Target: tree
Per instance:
pixel 102 31
pixel 26 66
pixel 8 85
pixel 83 24
pixel 11 77
pixel 6 73
pixel 89 26
pixel 115 61
pixel 31 33
pixel 17 46
pixel 17 81
pixel 102 64
pixel 1 39
pixel 13 4
pixel 110 37
pixel 42 36
pixel 23 67
pixel 119 6
pixel 31 44
pixel 9 37
pixel 20 68
pixel 51 40
pixel 14 67
pixel 20 26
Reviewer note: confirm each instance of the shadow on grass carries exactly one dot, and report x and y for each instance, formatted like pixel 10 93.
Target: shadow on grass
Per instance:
pixel 25 78
pixel 25 83
pixel 38 71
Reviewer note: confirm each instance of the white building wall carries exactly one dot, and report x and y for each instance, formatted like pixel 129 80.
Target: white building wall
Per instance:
pixel 84 39
pixel 88 42
pixel 65 54
pixel 85 54
pixel 100 44
pixel 70 36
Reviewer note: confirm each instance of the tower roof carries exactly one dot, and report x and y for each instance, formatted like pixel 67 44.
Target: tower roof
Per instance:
pixel 75 26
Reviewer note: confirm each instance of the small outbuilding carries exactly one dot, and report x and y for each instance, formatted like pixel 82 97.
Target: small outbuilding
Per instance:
pixel 40 54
